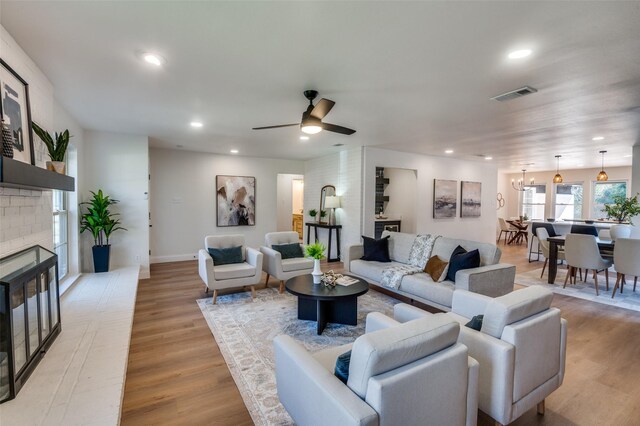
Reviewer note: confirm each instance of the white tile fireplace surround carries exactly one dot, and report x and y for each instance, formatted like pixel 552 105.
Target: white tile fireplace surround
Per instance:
pixel 80 381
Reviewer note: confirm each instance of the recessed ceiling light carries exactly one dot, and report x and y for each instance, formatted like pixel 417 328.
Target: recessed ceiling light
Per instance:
pixel 196 124
pixel 449 151
pixel 488 158
pixel 580 165
pixel 304 138
pixel 234 151
pixel 597 138
pixel 628 156
pixel 522 53
pixel 153 59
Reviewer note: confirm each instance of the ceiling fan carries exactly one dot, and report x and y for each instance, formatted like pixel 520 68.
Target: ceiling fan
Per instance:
pixel 311 122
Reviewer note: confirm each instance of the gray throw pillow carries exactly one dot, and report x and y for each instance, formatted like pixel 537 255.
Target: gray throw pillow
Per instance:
pixel 288 251
pixel 226 256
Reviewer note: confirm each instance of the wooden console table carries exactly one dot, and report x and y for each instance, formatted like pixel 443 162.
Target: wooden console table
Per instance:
pixel 331 228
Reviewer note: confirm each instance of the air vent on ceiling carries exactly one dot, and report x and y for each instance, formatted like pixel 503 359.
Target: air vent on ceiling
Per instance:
pixel 523 91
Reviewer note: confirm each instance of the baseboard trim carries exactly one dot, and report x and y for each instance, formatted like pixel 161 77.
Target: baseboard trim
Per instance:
pixel 173 258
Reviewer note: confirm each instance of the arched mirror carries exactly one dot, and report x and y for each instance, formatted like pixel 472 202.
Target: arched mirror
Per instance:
pixel 326 191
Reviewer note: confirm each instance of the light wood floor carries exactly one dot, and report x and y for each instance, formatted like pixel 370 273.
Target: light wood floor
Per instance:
pixel 176 374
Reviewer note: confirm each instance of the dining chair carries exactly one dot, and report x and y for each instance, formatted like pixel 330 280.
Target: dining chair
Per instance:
pixel 551 232
pixel 584 229
pixel 626 261
pixel 582 252
pixel 505 228
pixel 542 234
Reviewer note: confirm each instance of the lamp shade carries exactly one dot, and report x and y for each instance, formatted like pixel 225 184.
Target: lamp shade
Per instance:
pixel 332 202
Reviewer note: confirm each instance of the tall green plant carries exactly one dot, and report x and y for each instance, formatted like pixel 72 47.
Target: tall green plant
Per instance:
pixel 98 219
pixel 56 145
pixel 623 208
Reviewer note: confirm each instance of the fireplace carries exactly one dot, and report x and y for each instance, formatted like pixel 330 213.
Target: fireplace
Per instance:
pixel 29 314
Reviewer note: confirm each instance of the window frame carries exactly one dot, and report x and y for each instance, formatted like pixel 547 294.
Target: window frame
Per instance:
pixel 63 220
pixel 555 203
pixel 592 200
pixel 544 205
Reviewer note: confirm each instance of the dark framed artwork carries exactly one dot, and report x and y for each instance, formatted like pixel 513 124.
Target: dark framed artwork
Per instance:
pixel 235 200
pixel 470 199
pixel 15 110
pixel 445 198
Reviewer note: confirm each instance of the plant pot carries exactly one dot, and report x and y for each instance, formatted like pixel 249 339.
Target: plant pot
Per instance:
pixel 317 272
pixel 56 166
pixel 101 256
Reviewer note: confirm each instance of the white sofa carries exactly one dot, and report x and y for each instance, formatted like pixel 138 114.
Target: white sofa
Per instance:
pixel 491 278
pixel 283 269
pixel 521 347
pixel 399 374
pixel 249 272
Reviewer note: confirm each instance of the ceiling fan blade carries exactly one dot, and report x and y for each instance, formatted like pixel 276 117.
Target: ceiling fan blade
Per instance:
pixel 337 129
pixel 322 108
pixel 275 127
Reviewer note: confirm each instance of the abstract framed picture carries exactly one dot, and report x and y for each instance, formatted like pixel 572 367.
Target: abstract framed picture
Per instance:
pixel 16 112
pixel 235 200
pixel 445 198
pixel 470 199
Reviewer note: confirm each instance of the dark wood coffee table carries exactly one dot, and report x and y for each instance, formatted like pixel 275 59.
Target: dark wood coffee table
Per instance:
pixel 316 302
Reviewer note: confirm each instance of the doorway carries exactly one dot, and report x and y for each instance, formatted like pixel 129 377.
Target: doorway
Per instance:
pixel 290 195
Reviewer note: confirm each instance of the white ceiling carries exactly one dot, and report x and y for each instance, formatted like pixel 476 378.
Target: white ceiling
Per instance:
pixel 415 77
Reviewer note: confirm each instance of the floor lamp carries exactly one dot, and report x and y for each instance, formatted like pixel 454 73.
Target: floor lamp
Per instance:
pixel 332 202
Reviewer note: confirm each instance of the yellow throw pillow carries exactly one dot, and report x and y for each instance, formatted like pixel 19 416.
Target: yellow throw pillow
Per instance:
pixel 436 268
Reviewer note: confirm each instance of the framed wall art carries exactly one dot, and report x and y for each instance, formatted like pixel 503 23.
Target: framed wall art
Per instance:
pixel 15 111
pixel 445 198
pixel 470 199
pixel 235 200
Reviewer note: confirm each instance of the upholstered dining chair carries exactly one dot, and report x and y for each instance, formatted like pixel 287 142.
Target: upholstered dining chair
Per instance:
pixel 505 229
pixel 626 261
pixel 283 269
pixel 217 277
pixel 581 252
pixel 543 235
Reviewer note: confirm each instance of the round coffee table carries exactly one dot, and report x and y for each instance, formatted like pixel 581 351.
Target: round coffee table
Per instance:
pixel 316 302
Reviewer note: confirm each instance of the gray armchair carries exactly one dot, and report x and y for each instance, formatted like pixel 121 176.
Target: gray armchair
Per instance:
pixel 283 269
pixel 400 374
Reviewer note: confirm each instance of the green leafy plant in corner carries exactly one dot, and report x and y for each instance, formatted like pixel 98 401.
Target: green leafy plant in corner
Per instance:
pixel 316 251
pixel 313 213
pixel 56 145
pixel 623 208
pixel 98 219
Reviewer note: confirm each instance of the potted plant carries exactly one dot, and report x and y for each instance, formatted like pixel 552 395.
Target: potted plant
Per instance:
pixel 313 213
pixel 623 209
pixel 101 222
pixel 323 213
pixel 56 145
pixel 316 252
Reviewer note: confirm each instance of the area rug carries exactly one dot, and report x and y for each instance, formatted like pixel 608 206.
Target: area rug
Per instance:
pixel 244 330
pixel 628 300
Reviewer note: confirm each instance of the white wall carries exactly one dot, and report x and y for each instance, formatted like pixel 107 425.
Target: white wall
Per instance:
pixel 584 176
pixel 25 215
pixel 119 165
pixel 430 168
pixel 183 204
pixel 403 194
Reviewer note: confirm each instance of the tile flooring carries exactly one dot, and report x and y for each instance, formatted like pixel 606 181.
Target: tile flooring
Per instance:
pixel 80 381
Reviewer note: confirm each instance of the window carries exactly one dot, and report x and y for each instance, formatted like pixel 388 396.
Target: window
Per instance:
pixel 533 201
pixel 60 245
pixel 603 193
pixel 568 202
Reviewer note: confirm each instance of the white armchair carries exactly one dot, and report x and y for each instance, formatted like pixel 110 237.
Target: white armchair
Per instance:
pixel 399 374
pixel 249 272
pixel 283 269
pixel 521 347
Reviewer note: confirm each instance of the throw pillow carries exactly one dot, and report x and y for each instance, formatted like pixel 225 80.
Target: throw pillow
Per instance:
pixel 377 250
pixel 342 367
pixel 420 250
pixel 462 259
pixel 226 256
pixel 435 268
pixel 288 251
pixel 475 323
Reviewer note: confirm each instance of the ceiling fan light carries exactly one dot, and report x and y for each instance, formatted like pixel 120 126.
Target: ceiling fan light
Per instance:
pixel 311 129
pixel 602 176
pixel 557 178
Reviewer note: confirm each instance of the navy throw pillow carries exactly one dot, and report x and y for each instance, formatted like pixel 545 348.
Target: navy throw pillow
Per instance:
pixel 342 367
pixel 462 259
pixel 288 251
pixel 475 323
pixel 376 250
pixel 226 256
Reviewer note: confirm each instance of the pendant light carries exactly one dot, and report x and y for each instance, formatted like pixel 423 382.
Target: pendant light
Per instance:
pixel 558 177
pixel 602 176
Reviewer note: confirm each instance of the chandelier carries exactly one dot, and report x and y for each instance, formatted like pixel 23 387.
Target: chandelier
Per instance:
pixel 520 185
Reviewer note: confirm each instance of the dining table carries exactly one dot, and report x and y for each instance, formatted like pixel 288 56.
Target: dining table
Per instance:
pixel 556 242
pixel 521 232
